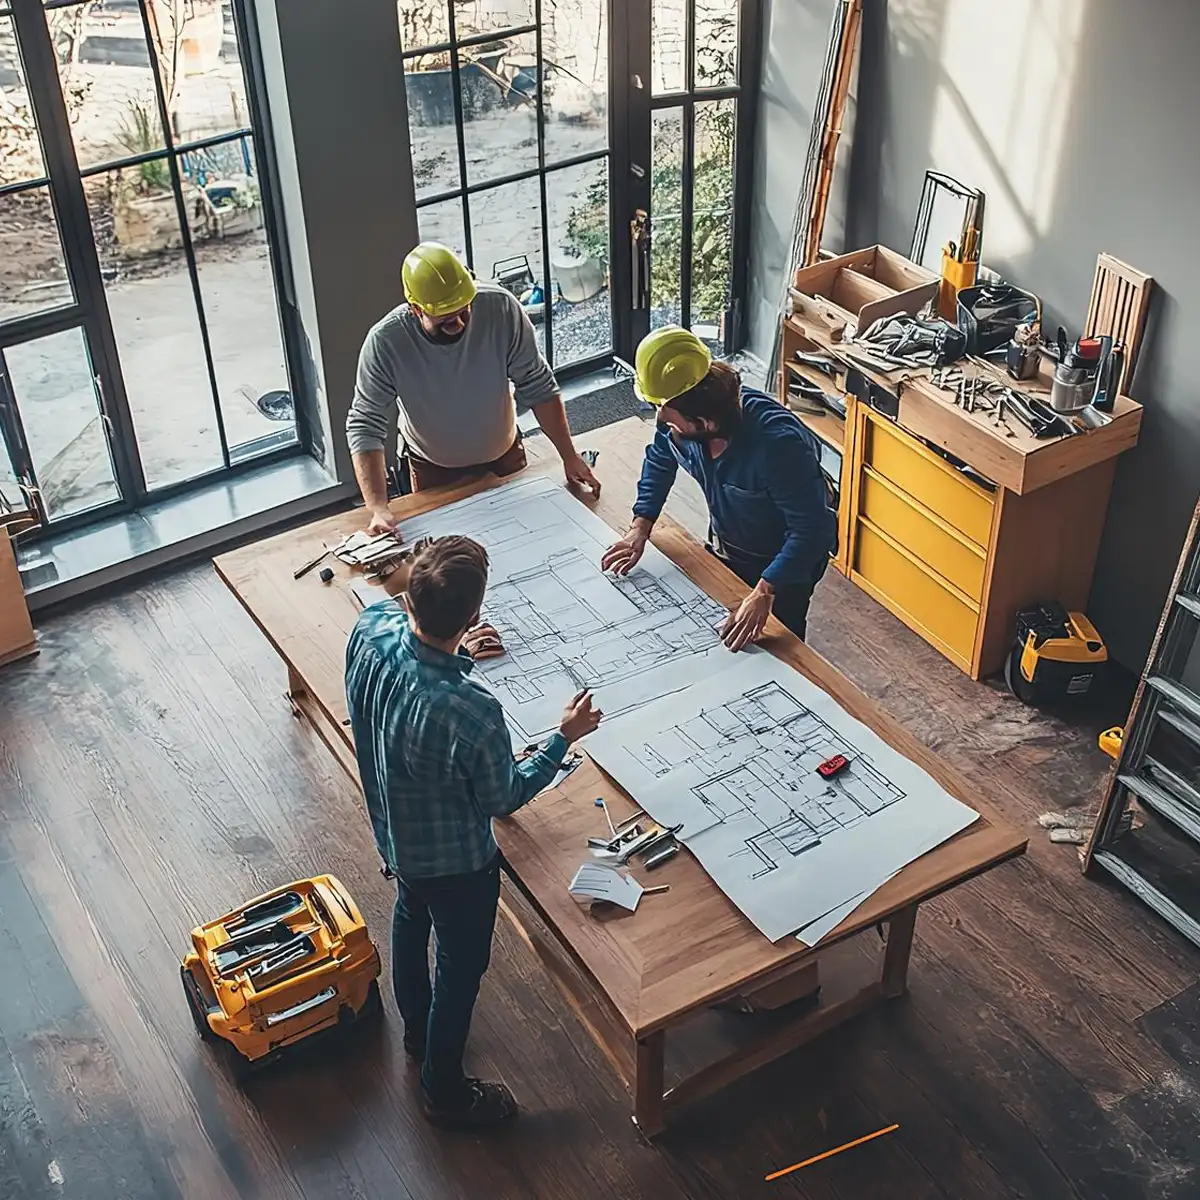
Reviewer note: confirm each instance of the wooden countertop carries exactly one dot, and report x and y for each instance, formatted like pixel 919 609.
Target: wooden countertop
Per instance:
pixel 1020 462
pixel 681 949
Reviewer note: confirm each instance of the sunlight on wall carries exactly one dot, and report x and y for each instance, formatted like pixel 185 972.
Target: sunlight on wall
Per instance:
pixel 1001 109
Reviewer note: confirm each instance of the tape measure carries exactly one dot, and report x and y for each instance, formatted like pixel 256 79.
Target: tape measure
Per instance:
pixel 831 766
pixel 1110 741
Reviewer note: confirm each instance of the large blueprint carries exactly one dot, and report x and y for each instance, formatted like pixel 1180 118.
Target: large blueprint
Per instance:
pixel 567 625
pixel 733 759
pixel 724 744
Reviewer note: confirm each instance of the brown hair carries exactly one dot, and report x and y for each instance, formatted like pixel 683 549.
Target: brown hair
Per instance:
pixel 716 398
pixel 446 585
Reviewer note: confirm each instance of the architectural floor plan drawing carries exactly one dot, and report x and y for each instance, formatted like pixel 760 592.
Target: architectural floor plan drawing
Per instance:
pixel 758 756
pixel 565 624
pixel 733 759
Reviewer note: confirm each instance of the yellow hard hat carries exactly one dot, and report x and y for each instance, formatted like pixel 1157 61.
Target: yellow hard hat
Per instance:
pixel 670 361
pixel 436 281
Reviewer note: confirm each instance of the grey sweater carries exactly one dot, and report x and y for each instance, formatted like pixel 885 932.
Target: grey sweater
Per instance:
pixel 455 401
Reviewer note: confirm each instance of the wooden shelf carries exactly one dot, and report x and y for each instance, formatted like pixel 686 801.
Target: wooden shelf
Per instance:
pixel 829 427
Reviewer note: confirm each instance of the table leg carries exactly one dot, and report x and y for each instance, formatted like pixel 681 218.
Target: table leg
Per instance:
pixel 295 690
pixel 648 1083
pixel 899 948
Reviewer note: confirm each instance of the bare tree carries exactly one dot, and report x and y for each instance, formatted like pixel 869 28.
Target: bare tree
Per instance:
pixel 20 156
pixel 167 19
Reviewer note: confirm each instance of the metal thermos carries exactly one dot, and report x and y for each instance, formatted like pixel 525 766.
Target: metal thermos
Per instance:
pixel 1076 373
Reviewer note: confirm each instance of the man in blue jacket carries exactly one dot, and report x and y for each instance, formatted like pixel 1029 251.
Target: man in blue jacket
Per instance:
pixel 770 519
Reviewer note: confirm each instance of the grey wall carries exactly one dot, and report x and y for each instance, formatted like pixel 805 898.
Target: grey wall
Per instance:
pixel 1076 117
pixel 794 44
pixel 340 119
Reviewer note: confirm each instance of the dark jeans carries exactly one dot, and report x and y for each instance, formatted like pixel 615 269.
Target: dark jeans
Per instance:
pixel 791 602
pixel 461 910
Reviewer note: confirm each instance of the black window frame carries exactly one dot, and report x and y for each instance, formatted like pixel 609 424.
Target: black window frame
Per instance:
pixel 63 177
pixel 465 189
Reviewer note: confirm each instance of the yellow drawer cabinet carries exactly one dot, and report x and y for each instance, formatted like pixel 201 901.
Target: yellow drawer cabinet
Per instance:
pixel 946 553
pixel 951 558
pixel 903 461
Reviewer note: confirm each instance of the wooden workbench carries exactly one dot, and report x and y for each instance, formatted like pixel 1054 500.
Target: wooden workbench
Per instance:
pixel 631 978
pixel 956 553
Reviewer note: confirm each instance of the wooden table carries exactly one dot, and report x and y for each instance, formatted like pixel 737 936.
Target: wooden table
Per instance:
pixel 631 977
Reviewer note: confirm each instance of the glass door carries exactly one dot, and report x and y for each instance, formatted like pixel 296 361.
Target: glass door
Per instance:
pixel 508 110
pixel 56 435
pixel 590 155
pixel 693 69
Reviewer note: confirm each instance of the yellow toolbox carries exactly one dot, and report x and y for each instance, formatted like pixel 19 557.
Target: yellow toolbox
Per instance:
pixel 275 971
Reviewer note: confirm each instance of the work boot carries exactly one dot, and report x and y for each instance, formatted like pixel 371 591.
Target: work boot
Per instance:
pixel 482 1105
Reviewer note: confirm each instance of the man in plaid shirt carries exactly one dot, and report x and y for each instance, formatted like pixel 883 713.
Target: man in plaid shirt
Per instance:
pixel 436 764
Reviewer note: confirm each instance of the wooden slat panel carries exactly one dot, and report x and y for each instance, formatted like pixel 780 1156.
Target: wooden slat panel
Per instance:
pixel 1120 298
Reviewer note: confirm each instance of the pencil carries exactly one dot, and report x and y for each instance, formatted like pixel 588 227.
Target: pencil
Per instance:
pixel 830 1153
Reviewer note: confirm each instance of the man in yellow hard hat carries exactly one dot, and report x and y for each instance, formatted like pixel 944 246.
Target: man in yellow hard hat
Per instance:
pixel 770 518
pixel 451 361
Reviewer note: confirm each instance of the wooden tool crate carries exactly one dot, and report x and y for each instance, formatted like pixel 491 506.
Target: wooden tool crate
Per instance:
pixel 857 289
pixel 16 629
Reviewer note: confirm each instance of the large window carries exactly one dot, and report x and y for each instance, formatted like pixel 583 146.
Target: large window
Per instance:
pixel 694 132
pixel 593 156
pixel 508 119
pixel 141 347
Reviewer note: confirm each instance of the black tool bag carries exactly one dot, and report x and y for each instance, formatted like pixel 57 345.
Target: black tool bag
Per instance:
pixel 989 313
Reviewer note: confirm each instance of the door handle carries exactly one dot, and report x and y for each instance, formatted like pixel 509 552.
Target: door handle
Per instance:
pixel 639 238
pixel 102 407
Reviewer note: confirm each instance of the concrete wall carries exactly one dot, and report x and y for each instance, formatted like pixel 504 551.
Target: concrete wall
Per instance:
pixel 1076 118
pixel 340 119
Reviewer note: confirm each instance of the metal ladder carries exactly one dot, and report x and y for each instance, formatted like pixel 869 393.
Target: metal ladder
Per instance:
pixel 1165 707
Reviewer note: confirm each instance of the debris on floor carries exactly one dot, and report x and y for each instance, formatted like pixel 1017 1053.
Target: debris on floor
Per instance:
pixel 1074 826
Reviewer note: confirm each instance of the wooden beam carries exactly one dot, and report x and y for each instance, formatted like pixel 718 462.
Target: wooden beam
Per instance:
pixel 770 1046
pixel 847 53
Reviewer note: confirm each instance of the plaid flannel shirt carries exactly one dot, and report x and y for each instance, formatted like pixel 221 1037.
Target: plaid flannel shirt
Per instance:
pixel 434 752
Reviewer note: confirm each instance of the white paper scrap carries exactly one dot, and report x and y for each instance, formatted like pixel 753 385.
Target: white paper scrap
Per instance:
pixel 595 881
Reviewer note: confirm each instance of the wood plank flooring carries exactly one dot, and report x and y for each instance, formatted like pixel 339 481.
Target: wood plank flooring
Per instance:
pixel 151 773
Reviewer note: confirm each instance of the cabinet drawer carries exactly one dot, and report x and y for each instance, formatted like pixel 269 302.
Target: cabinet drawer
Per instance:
pixel 920 601
pixel 937 485
pixel 948 553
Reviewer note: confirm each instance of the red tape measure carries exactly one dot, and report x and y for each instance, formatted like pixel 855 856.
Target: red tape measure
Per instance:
pixel 831 766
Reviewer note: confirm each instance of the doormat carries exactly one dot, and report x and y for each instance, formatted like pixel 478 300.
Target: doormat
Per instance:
pixel 602 407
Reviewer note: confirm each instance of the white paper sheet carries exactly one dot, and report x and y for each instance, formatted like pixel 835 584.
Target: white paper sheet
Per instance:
pixel 564 623
pixel 815 931
pixel 595 881
pixel 734 759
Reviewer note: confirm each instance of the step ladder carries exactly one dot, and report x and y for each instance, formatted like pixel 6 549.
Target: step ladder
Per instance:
pixel 1159 766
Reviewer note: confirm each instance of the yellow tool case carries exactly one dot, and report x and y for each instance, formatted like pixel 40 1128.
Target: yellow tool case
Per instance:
pixel 287 965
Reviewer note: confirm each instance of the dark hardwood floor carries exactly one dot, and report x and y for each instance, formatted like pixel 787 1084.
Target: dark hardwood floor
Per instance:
pixel 151 774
